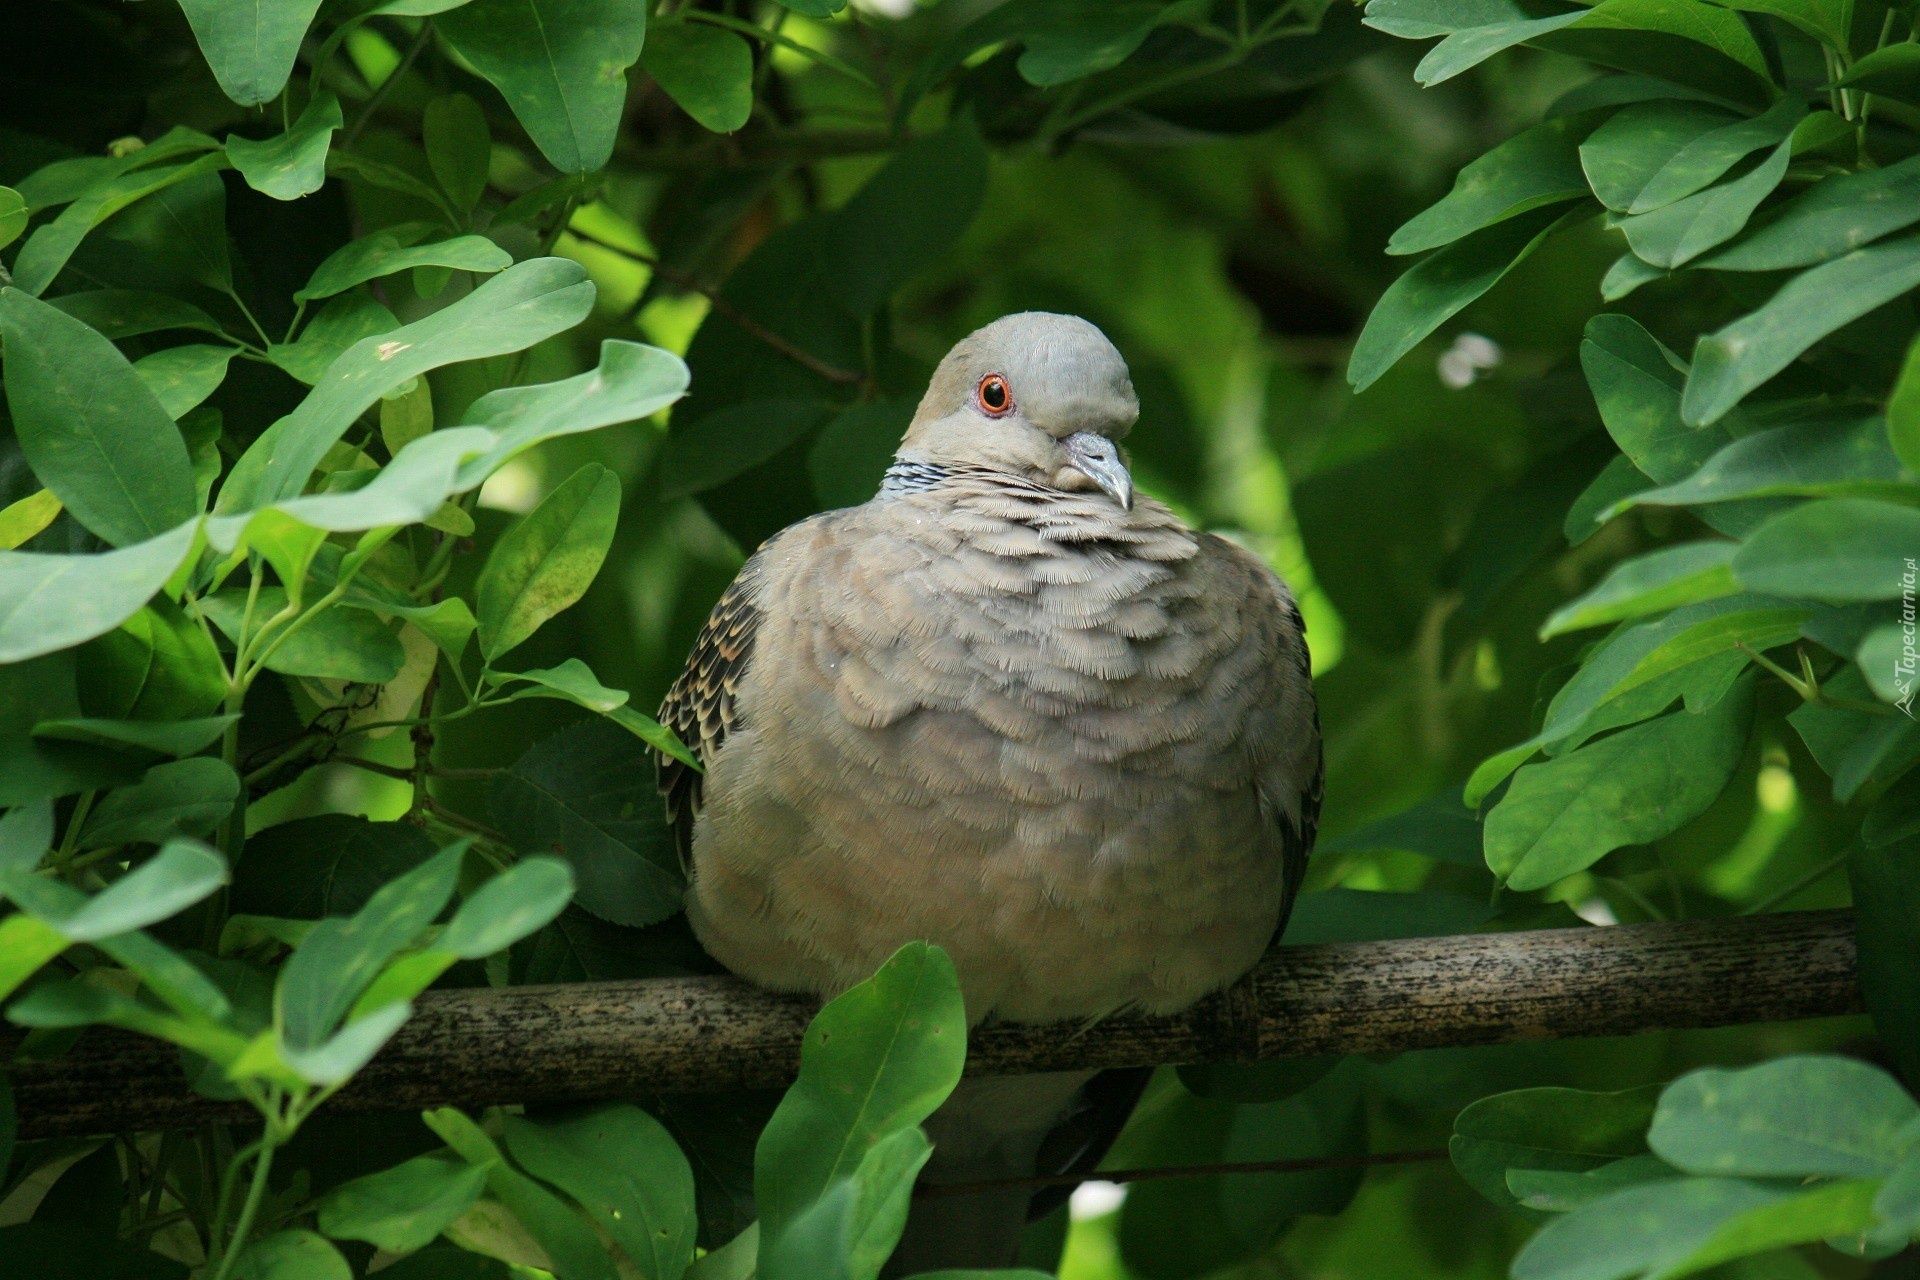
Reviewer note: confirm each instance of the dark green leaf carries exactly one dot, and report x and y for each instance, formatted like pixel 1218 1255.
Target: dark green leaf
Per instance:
pixel 621 1166
pixel 1835 549
pixel 1539 167
pixel 1903 411
pixel 708 71
pixel 251 47
pixel 1733 361
pixel 560 64
pixel 47 251
pixel 1663 579
pixel 325 866
pixel 507 908
pixel 1794 1117
pixel 293 164
pixel 1438 286
pixel 852 452
pixel 855 1224
pixel 386 252
pixel 90 427
pixel 1634 147
pixel 403 1208
pixel 565 1236
pixel 546 562
pixel 1639 1230
pixel 1707 158
pixel 173 738
pixel 1546 1128
pixel 1813 458
pixel 587 795
pixel 722 445
pixel 1893 72
pixel 77 1251
pixel 336 643
pixel 1677 233
pixel 181 377
pixel 459 147
pixel 1838 215
pixel 1441 828
pixel 13 216
pixel 127 313
pixel 877 1060
pixel 291 1255
pixel 1886 896
pixel 341 322
pixel 180 797
pixel 905 217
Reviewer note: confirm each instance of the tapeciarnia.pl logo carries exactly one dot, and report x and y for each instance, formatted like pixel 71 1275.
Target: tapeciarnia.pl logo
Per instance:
pixel 1908 662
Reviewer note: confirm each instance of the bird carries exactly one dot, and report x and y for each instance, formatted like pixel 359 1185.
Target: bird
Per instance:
pixel 1014 708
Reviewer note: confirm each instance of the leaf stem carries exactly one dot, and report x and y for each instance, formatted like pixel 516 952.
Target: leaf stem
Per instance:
pixel 380 90
pixel 256 1192
pixel 755 32
pixel 1806 881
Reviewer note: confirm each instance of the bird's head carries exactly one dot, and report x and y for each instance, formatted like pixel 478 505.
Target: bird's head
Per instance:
pixel 1039 395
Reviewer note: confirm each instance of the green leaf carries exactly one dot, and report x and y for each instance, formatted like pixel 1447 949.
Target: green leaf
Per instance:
pixel 334 643
pixel 877 1060
pixel 1663 579
pixel 1893 72
pixel 572 681
pixel 180 797
pixel 324 866
pixel 181 874
pixel 545 563
pixel 707 70
pixel 1903 409
pixel 507 908
pixel 1627 274
pixel 626 1171
pixel 250 46
pixel 560 64
pixel 1854 747
pixel 71 1250
pixel 1886 897
pixel 1830 21
pixel 1439 828
pixel 26 834
pixel 1639 1229
pixel 459 148
pixel 173 738
pixel 853 1227
pixel 1706 159
pixel 344 320
pixel 403 1208
pixel 1546 1129
pixel 25 945
pixel 1641 140
pixel 632 381
pixel 1898 1203
pixel 1812 458
pixel 1800 1116
pixel 46 252
pixel 1538 167
pixel 1677 233
pixel 1559 1191
pixel 1563 815
pixel 341 958
pixel 1067 42
pixel 1438 286
pixel 181 377
pixel 729 441
pixel 1835 549
pixel 906 217
pixel 1838 215
pixel 25 519
pixel 340 1057
pixel 1733 361
pixel 1819 1213
pixel 1617 481
pixel 294 163
pixel 94 593
pixel 522 305
pixel 587 795
pixel 386 252
pixel 291 1255
pixel 560 1231
pixel 91 430
pixel 13 216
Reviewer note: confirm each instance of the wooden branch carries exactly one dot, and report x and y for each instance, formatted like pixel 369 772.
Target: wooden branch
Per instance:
pixel 478 1047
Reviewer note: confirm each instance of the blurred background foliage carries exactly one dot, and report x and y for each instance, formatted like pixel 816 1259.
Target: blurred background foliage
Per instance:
pixel 811 204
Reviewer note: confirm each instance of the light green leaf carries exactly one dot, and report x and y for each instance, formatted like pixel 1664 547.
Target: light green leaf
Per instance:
pixel 1563 815
pixel 179 797
pixel 344 320
pixel 1836 216
pixel 385 252
pixel 1538 167
pixel 250 44
pixel 1707 158
pixel 181 874
pixel 572 680
pixel 13 216
pixel 1638 1230
pixel 1835 549
pixel 459 147
pixel 292 164
pixel 1813 458
pixel 632 381
pixel 1825 1212
pixel 53 602
pixel 853 1227
pixel 546 562
pixel 334 644
pixel 1625 275
pixel 522 305
pixel 877 1060
pixel 572 1246
pixel 1438 286
pixel 26 944
pixel 403 1208
pixel 168 737
pixel 626 1170
pixel 1558 1191
pixel 1903 408
pixel 560 64
pixel 1663 579
pixel 90 428
pixel 707 70
pixel 181 377
pixel 406 416
pixel 23 520
pixel 291 1255
pixel 507 908
pixel 1795 1117
pixel 1677 233
pixel 1893 72
pixel 1641 140
pixel 1735 360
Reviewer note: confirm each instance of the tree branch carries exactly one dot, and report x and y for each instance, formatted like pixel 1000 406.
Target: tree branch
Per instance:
pixel 478 1047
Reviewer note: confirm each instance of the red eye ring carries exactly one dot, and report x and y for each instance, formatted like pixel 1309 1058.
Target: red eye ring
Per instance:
pixel 993 396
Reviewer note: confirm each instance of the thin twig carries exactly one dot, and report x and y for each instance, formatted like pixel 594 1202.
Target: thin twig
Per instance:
pixel 753 328
pixel 1183 1171
pixel 380 90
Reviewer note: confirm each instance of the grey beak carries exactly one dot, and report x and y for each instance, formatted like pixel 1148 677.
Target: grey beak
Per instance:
pixel 1098 459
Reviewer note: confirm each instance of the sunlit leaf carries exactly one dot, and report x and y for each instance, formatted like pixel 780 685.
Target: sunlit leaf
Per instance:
pixel 1793 1117
pixel 403 1208
pixel 51 602
pixel 707 70
pixel 545 563
pixel 384 253
pixel 181 377
pixel 294 163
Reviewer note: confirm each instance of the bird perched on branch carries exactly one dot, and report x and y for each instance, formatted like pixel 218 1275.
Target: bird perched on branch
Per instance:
pixel 1013 708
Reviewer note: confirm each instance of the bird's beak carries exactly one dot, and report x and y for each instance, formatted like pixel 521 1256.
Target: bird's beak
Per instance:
pixel 1098 459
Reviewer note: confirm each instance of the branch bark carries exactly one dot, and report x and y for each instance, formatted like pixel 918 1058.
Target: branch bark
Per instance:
pixel 480 1047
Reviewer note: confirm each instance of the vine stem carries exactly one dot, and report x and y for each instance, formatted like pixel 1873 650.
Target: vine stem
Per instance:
pixel 256 1192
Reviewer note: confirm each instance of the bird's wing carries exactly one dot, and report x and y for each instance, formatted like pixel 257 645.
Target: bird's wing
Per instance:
pixel 1284 719
pixel 701 707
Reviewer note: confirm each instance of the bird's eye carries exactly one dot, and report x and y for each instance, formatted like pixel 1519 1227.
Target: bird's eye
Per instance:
pixel 994 396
